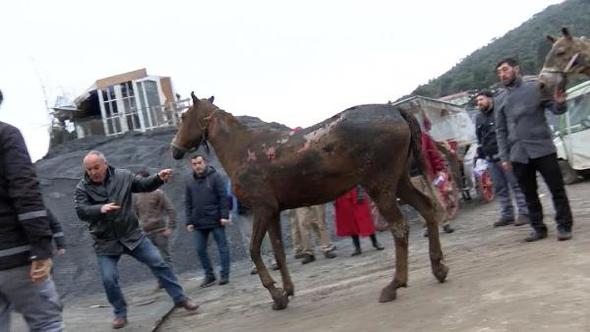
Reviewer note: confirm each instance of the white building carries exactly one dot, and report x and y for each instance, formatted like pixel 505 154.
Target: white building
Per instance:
pixel 132 101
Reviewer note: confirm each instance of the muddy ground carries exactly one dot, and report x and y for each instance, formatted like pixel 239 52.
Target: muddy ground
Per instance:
pixel 496 283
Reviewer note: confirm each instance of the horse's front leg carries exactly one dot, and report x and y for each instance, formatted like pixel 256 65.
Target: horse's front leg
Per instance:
pixel 262 217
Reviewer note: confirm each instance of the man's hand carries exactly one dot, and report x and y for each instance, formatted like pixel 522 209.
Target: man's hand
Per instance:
pixel 40 269
pixel 507 166
pixel 109 207
pixel 225 222
pixel 60 252
pixel 190 228
pixel 165 174
pixel 167 232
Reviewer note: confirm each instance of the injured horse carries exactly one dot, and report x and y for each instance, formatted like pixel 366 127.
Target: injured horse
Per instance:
pixel 274 170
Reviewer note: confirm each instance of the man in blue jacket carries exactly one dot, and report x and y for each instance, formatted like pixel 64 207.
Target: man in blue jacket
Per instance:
pixel 206 203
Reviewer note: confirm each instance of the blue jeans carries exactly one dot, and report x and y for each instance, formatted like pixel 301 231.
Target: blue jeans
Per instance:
pixel 147 254
pixel 504 182
pixel 201 239
pixel 38 303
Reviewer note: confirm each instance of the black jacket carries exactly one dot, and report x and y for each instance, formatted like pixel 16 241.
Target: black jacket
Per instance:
pixel 485 130
pixel 117 230
pixel 206 200
pixel 24 227
pixel 57 230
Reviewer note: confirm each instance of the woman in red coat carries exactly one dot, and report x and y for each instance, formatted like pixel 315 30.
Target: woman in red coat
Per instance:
pixel 353 218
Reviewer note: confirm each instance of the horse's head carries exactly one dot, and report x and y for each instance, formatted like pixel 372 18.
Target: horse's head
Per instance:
pixel 564 58
pixel 192 130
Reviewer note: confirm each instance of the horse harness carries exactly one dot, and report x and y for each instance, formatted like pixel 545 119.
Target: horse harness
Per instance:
pixel 573 62
pixel 204 136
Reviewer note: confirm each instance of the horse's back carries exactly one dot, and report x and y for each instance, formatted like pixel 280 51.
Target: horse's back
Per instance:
pixel 372 122
pixel 373 113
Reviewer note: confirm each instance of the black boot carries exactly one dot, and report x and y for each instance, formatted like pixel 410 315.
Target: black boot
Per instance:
pixel 208 281
pixel 376 243
pixel 357 245
pixel 308 259
pixel 536 235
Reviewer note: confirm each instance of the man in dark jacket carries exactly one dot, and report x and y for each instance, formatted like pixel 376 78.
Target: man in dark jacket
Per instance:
pixel 25 240
pixel 504 181
pixel 526 146
pixel 207 213
pixel 103 200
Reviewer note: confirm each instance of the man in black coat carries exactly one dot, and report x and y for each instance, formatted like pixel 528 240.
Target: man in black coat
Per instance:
pixel 25 240
pixel 206 204
pixel 103 200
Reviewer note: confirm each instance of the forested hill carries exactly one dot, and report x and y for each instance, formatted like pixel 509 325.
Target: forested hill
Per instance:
pixel 527 43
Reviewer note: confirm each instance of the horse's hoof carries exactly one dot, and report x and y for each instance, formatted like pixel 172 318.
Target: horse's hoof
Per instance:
pixel 441 273
pixel 388 294
pixel 280 303
pixel 280 298
pixel 290 291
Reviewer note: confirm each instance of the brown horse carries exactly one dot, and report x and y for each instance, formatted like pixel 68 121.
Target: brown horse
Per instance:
pixel 275 170
pixel 568 56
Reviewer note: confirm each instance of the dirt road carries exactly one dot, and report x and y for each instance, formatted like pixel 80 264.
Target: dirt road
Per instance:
pixel 496 283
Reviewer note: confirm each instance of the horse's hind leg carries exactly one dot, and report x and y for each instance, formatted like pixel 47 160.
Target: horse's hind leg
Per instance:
pixel 386 201
pixel 425 206
pixel 262 218
pixel 274 231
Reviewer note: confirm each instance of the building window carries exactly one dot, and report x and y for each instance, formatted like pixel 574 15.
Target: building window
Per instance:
pixel 132 105
pixel 150 105
pixel 111 111
pixel 128 101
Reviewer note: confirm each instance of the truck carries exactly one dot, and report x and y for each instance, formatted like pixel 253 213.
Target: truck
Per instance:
pixel 572 135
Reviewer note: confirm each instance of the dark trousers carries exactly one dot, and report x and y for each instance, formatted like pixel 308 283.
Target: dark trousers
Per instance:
pixel 357 242
pixel 201 237
pixel 527 178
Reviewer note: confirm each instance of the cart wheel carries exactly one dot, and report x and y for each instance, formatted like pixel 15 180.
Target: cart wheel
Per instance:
pixel 486 187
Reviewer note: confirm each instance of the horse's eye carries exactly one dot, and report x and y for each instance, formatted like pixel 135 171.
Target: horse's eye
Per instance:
pixel 560 52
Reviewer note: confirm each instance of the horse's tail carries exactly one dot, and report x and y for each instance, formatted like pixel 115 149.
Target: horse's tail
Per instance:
pixel 415 140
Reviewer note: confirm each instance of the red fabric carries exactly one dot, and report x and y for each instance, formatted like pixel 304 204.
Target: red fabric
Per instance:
pixel 434 159
pixel 352 217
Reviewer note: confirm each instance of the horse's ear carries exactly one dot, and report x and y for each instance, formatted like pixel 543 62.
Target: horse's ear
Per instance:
pixel 551 39
pixel 211 99
pixel 195 99
pixel 566 33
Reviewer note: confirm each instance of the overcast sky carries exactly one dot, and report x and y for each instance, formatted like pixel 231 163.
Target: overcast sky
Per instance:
pixel 294 62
